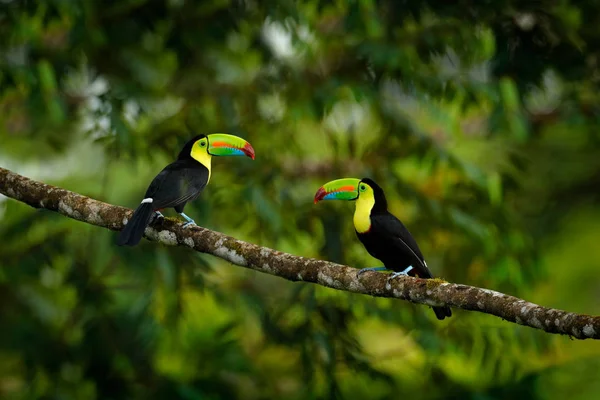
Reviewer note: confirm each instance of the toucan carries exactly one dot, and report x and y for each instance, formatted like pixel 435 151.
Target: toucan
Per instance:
pixel 384 236
pixel 182 181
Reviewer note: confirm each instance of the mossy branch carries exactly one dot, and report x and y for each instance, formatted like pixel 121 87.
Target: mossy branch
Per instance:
pixel 294 268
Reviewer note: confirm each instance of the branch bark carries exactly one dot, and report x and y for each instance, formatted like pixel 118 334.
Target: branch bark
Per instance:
pixel 295 268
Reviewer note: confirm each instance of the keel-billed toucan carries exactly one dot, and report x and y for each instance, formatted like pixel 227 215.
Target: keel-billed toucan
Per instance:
pixel 182 181
pixel 382 234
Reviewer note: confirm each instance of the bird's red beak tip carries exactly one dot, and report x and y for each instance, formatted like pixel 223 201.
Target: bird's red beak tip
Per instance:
pixel 249 150
pixel 320 194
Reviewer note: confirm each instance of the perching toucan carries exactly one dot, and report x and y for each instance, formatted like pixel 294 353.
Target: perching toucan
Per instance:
pixel 382 234
pixel 182 181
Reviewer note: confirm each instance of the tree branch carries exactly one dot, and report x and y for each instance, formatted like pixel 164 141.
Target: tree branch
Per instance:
pixel 295 268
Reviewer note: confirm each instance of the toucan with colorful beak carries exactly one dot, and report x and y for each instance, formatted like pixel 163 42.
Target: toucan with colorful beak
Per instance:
pixel 384 236
pixel 182 181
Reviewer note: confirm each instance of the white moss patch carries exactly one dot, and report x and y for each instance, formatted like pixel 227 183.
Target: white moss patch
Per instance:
pixel 230 255
pixel 267 268
pixel 356 286
pixel 328 281
pixel 525 309
pixel 94 214
pixel 264 252
pixel 167 237
pixel 491 292
pixel 589 330
pixel 537 323
pixel 431 302
pixel 64 208
pixel 189 242
pixel 480 305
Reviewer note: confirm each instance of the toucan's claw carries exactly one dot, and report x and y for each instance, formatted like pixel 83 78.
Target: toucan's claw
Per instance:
pixel 190 222
pixel 401 273
pixel 362 271
pixel 157 216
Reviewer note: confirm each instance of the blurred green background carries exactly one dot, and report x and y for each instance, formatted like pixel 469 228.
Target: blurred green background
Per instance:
pixel 479 119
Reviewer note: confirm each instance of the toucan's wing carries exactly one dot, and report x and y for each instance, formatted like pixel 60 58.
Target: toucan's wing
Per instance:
pixel 177 184
pixel 400 238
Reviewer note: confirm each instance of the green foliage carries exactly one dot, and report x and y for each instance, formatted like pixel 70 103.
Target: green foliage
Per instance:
pixel 478 118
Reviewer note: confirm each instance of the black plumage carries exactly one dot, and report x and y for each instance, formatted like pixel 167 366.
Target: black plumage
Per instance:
pixel 178 183
pixel 390 241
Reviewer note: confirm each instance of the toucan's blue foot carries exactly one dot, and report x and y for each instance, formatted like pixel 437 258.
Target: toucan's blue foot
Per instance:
pixel 401 273
pixel 362 271
pixel 190 222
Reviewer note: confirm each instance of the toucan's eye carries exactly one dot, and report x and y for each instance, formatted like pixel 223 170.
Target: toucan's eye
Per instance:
pixel 363 188
pixel 202 143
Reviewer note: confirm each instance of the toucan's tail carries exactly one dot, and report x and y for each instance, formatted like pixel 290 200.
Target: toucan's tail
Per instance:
pixel 440 312
pixel 134 230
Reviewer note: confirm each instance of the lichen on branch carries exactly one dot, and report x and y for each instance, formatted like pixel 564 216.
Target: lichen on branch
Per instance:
pixel 432 292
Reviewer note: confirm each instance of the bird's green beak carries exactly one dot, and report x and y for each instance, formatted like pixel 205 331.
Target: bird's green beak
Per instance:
pixel 340 189
pixel 222 144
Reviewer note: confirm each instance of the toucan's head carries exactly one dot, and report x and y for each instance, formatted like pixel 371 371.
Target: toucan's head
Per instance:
pixel 202 147
pixel 353 189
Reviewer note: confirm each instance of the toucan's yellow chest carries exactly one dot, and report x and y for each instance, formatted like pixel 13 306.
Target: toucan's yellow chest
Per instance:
pixel 362 214
pixel 202 156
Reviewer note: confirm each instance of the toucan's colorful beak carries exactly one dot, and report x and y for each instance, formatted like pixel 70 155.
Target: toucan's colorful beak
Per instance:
pixel 222 144
pixel 340 189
